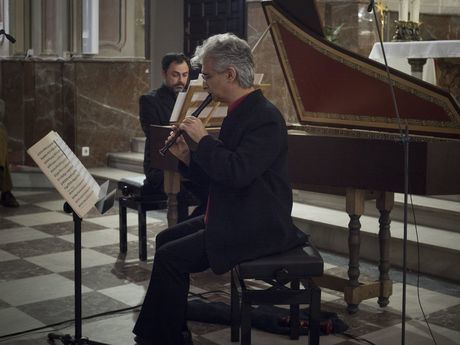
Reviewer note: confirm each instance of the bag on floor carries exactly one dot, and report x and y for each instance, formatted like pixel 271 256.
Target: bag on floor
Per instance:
pixel 266 318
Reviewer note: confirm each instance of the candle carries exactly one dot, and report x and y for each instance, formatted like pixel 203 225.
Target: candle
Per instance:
pixel 415 11
pixel 403 10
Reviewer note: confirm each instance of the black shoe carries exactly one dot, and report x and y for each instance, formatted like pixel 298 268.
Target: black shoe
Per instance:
pixel 8 200
pixel 141 341
pixel 186 339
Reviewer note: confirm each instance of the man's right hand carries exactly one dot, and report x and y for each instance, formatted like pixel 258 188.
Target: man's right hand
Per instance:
pixel 180 148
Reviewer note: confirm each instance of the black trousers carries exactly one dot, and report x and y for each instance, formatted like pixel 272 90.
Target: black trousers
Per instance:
pixel 180 250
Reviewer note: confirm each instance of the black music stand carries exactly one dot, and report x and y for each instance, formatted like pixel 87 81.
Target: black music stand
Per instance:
pixel 104 203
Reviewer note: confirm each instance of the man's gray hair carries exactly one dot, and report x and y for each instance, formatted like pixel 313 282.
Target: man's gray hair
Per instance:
pixel 227 50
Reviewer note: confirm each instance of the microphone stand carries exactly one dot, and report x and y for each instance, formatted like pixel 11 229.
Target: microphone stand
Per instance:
pixel 8 36
pixel 405 141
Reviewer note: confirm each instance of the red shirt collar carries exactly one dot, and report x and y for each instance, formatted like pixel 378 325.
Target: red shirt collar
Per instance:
pixel 236 103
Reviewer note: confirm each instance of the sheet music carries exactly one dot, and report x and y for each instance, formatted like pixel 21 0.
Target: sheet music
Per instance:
pixel 258 78
pixel 178 106
pixel 65 172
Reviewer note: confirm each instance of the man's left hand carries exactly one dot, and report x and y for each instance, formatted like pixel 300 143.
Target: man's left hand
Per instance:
pixel 194 128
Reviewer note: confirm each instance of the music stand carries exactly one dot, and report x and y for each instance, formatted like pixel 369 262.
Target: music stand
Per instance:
pixel 104 203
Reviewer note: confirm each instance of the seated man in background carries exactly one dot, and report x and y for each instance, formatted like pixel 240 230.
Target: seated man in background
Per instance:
pixel 7 199
pixel 155 108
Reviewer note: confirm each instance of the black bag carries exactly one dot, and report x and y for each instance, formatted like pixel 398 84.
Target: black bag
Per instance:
pixel 266 318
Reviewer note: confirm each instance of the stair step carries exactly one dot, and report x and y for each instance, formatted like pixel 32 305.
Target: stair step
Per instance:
pixel 429 211
pixel 439 249
pixel 449 197
pixel 131 161
pixel 138 144
pixel 112 174
pixel 30 179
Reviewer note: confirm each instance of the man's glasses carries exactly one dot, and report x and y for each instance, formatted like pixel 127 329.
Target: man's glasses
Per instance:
pixel 207 76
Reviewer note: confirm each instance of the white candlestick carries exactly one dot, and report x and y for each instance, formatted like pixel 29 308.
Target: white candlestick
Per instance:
pixel 404 10
pixel 415 11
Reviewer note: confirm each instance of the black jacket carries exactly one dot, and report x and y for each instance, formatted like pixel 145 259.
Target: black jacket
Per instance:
pixel 155 108
pixel 250 199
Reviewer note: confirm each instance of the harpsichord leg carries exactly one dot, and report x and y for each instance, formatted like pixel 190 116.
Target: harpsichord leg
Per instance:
pixel 355 208
pixel 385 202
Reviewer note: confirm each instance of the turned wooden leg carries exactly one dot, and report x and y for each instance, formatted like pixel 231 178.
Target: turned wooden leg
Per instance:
pixel 385 204
pixel 354 241
pixel 355 208
pixel 172 214
pixel 172 187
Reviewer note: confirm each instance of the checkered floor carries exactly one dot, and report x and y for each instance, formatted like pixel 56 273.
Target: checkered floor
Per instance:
pixel 37 288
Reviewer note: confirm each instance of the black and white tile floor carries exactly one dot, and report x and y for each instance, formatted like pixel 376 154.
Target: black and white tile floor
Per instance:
pixel 37 288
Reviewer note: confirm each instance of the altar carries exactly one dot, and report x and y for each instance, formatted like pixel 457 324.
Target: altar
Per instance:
pixel 416 57
pixel 436 62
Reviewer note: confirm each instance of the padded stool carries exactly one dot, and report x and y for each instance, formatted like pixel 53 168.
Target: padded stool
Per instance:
pixel 301 263
pixel 131 197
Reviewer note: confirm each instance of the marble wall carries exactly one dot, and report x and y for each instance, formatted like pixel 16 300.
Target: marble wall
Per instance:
pixel 94 102
pixel 88 102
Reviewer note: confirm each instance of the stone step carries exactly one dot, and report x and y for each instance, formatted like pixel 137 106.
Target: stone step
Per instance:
pixel 324 217
pixel 449 197
pixel 112 174
pixel 429 211
pixel 130 161
pixel 29 177
pixel 138 144
pixel 439 249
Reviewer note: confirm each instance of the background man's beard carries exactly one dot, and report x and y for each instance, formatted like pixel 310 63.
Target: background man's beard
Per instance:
pixel 178 88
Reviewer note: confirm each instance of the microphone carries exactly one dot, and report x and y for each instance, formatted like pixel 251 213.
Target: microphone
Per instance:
pixel 179 132
pixel 371 6
pixel 8 36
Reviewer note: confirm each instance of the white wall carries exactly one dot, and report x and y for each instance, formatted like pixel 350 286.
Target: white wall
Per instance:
pixel 166 33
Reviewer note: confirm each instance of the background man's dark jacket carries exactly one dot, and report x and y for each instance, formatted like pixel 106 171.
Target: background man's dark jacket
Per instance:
pixel 155 108
pixel 250 199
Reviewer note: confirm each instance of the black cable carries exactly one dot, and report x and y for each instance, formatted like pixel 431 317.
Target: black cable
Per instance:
pixel 418 272
pixel 203 294
pixel 405 141
pixel 32 330
pixel 110 312
pixel 361 340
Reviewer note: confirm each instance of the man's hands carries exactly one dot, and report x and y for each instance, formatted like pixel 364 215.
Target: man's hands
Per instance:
pixel 180 148
pixel 194 129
